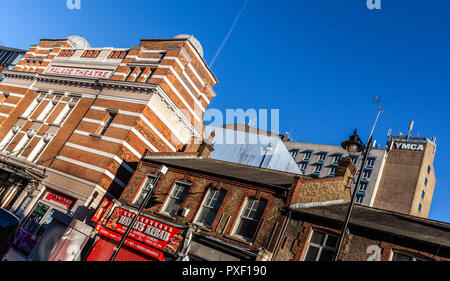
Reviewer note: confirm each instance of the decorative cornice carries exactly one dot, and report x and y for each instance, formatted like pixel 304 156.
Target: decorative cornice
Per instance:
pixel 86 82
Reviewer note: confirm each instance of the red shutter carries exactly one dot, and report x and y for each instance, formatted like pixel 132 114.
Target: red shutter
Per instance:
pixel 102 251
pixel 128 254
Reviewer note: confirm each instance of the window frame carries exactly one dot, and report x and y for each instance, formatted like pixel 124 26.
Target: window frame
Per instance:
pixel 305 166
pixel 359 199
pixel 365 184
pixel 146 182
pixel 332 171
pixel 413 257
pixel 370 162
pixel 322 246
pixel 170 196
pixel 202 207
pixel 369 174
pixel 337 158
pixel 239 219
pixel 322 157
pixel 317 170
pixel 307 153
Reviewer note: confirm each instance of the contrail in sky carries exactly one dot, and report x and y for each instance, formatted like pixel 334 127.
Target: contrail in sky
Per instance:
pixel 228 35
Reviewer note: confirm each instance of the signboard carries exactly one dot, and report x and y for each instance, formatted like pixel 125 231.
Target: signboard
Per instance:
pixel 408 146
pixel 60 199
pixel 146 230
pixel 103 207
pixel 80 72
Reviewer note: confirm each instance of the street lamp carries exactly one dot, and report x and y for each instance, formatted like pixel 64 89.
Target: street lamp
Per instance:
pixel 353 145
pixel 162 171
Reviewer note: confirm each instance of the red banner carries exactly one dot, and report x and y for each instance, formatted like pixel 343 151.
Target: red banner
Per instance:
pixel 60 199
pixel 102 208
pixel 147 230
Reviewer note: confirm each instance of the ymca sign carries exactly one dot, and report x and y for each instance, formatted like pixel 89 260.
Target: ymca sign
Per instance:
pixel 408 146
pixel 80 72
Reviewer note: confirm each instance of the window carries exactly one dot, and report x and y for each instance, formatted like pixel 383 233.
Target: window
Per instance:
pixel 426 181
pixel 145 189
pixel 294 153
pixel 249 219
pixel 317 168
pixel 209 208
pixel 370 162
pixel 359 199
pixel 363 187
pixel 337 158
pixel 367 174
pixel 175 199
pixel 107 123
pixel 322 157
pixel 396 256
pixel 307 156
pixel 429 169
pixel 355 159
pixel 420 207
pixel 332 171
pixel 321 247
pixel 423 194
pixel 303 166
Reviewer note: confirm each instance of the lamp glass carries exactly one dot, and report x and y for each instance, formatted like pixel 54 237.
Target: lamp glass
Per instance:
pixel 352 148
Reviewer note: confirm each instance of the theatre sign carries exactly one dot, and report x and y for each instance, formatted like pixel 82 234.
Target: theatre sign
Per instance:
pixel 80 72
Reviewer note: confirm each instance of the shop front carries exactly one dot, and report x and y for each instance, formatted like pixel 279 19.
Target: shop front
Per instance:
pixel 151 239
pixel 34 225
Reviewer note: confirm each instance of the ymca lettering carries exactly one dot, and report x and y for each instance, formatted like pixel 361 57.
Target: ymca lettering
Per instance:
pixel 409 146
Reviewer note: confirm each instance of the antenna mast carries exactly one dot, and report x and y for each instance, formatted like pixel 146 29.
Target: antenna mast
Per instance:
pixel 380 110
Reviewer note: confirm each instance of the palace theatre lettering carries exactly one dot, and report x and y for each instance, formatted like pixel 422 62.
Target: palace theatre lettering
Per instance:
pixel 80 72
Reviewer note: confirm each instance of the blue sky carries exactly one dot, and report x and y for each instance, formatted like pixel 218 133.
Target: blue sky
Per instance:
pixel 319 62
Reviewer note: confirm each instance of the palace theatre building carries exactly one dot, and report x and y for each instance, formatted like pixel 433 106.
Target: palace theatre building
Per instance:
pixel 75 120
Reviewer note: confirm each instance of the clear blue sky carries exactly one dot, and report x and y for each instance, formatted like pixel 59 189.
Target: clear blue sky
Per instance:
pixel 319 62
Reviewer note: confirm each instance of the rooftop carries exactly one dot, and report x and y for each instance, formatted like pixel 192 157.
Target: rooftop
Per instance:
pixel 406 226
pixel 240 172
pixel 12 49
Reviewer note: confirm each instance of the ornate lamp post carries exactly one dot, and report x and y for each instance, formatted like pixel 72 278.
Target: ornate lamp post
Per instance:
pixel 353 145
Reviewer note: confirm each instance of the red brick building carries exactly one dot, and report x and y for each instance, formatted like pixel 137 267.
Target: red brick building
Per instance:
pixel 375 235
pixel 229 211
pixel 75 120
